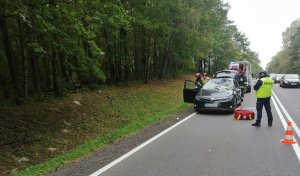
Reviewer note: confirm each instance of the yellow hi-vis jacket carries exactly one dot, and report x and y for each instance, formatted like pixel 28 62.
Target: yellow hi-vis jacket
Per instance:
pixel 265 90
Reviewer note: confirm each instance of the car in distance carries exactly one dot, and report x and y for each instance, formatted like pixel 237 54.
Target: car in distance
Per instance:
pixel 273 76
pixel 225 74
pixel 218 94
pixel 290 80
pixel 277 78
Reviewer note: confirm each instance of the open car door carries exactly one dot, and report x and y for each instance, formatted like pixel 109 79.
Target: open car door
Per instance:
pixel 189 91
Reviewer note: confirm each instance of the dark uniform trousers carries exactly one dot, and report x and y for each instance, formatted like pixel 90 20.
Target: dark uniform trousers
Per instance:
pixel 263 102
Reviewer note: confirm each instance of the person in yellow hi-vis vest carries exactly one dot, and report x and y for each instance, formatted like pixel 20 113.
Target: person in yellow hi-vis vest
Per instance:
pixel 263 94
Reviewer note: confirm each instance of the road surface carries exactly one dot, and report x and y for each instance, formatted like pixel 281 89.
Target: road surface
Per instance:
pixel 218 145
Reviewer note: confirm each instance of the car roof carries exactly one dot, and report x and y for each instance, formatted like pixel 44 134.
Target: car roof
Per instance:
pixel 232 71
pixel 229 78
pixel 291 74
pixel 225 71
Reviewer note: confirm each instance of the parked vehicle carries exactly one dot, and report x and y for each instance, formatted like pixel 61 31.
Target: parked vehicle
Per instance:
pixel 273 76
pixel 277 78
pixel 218 94
pixel 225 74
pixel 290 80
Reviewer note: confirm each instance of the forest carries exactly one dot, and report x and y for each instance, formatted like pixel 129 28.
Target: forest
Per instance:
pixel 287 60
pixel 53 47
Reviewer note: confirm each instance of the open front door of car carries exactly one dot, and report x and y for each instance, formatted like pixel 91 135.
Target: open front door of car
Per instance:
pixel 189 91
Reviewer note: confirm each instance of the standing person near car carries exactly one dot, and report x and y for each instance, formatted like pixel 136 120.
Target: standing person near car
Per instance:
pixel 263 88
pixel 205 78
pixel 241 79
pixel 199 82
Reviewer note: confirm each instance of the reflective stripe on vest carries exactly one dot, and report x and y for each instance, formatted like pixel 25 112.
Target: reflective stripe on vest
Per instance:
pixel 265 89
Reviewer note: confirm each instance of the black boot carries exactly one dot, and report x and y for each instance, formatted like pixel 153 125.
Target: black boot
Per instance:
pixel 257 124
pixel 269 123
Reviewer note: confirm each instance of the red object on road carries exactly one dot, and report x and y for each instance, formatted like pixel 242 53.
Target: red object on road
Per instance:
pixel 289 136
pixel 243 114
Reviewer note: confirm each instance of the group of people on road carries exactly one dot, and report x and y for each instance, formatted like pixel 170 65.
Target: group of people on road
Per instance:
pixel 263 88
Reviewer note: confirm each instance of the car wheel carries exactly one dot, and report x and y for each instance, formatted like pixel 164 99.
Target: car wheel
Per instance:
pixel 249 90
pixel 240 103
pixel 195 107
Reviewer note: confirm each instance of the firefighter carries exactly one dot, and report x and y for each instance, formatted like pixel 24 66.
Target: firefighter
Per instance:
pixel 199 81
pixel 241 79
pixel 263 88
pixel 205 78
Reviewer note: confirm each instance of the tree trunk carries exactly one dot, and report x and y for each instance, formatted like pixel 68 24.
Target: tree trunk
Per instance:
pixel 155 60
pixel 124 52
pixel 209 72
pixel 166 58
pixel 24 60
pixel 47 71
pixel 64 68
pixel 54 72
pixel 4 87
pixel 77 69
pixel 108 57
pixel 10 59
pixel 136 54
pixel 35 72
pixel 145 62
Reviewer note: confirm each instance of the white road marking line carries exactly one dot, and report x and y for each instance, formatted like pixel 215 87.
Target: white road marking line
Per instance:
pixel 105 168
pixel 295 127
pixel 284 123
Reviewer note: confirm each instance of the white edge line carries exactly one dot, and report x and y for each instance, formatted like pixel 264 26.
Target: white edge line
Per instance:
pixel 295 146
pixel 295 127
pixel 105 168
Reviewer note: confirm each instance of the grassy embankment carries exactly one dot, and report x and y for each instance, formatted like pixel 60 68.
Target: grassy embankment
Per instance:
pixel 40 137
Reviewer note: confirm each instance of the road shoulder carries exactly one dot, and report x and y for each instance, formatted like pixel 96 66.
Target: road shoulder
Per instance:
pixel 102 157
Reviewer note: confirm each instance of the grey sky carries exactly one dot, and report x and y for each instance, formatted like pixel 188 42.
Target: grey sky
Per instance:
pixel 263 22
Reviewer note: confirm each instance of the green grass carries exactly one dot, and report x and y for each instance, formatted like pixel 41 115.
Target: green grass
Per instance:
pixel 93 145
pixel 105 115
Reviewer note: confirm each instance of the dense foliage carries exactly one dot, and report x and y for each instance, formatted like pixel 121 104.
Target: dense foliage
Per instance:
pixel 60 45
pixel 288 59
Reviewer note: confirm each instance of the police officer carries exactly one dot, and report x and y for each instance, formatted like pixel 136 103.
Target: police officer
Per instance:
pixel 263 94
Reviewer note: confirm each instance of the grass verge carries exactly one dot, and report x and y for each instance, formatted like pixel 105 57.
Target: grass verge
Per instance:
pixel 93 145
pixel 38 137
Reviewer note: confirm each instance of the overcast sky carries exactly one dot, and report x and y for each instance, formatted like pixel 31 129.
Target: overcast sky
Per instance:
pixel 263 22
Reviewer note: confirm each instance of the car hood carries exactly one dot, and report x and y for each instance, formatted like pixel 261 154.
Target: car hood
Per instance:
pixel 217 94
pixel 292 80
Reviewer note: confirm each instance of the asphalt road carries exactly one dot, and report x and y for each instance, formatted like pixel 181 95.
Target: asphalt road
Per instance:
pixel 204 145
pixel 218 145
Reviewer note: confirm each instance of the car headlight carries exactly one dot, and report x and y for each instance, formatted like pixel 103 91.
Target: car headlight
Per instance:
pixel 286 82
